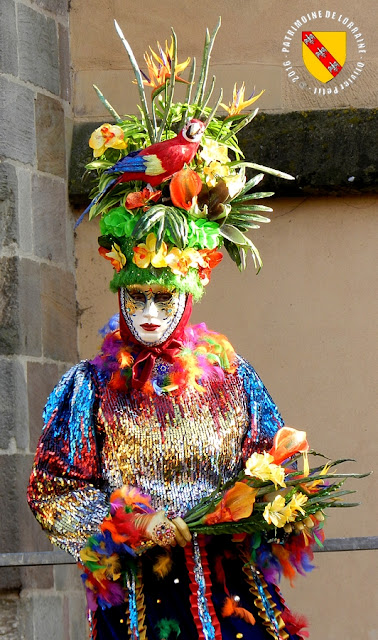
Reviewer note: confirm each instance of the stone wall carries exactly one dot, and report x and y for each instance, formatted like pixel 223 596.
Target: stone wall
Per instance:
pixel 37 299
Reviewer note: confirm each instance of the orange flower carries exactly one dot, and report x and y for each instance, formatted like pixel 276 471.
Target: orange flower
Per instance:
pixel 116 257
pixel 141 198
pixel 211 258
pixel 160 73
pixel 238 103
pixel 179 261
pixel 184 186
pixel 287 442
pixel 237 503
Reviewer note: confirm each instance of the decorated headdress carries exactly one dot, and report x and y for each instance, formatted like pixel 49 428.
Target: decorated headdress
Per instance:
pixel 171 186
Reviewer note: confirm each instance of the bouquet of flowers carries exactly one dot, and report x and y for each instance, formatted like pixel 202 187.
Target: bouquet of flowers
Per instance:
pixel 274 507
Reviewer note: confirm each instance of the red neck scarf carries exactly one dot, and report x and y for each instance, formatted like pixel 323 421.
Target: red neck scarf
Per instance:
pixel 144 363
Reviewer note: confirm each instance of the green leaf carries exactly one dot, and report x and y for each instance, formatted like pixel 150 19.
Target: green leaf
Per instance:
pixel 260 167
pixel 230 232
pixel 254 196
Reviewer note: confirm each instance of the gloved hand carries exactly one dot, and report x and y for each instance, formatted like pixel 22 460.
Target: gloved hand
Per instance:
pixel 164 532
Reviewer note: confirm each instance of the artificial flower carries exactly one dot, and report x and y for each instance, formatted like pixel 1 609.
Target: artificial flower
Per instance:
pixel 274 512
pixel 138 199
pixel 261 465
pixel 184 186
pixel 214 172
pixel 118 222
pixel 235 183
pixel 179 261
pixel 212 150
pixel 211 258
pixel 238 103
pixel 287 442
pixel 159 73
pixel 145 253
pixel 108 136
pixel 237 503
pixel 116 257
pixel 296 504
pixel 203 233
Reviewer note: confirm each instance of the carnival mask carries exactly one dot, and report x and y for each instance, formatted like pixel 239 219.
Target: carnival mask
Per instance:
pixel 152 312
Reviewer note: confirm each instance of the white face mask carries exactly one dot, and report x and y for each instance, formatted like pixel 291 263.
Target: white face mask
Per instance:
pixel 152 312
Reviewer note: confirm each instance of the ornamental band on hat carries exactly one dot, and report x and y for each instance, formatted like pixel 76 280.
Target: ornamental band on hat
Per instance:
pixel 171 187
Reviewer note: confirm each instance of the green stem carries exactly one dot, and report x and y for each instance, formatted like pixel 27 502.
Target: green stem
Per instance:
pixel 172 81
pixel 138 77
pixel 107 104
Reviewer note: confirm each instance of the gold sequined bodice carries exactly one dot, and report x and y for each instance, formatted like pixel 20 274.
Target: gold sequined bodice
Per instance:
pixel 174 448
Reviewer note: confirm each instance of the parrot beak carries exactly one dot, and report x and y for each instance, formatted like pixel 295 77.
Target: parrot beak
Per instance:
pixel 194 130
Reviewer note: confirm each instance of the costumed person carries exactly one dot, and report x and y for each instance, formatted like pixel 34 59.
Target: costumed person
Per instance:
pixel 138 441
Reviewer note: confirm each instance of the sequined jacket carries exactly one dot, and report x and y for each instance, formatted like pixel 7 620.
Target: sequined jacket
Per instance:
pixel 174 448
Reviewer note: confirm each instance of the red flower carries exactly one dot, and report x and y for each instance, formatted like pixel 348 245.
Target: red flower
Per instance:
pixel 141 198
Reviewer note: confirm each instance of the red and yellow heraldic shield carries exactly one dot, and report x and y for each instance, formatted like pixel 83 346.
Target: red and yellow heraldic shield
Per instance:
pixel 324 53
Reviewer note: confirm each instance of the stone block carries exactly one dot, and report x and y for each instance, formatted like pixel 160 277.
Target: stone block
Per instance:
pixel 16 115
pixel 67 578
pixel 9 616
pixel 49 218
pixel 29 308
pixel 8 38
pixel 9 321
pixel 13 402
pixel 59 7
pixel 58 314
pixel 37 577
pixel 49 132
pixel 8 205
pixel 25 220
pixel 47 617
pixel 64 63
pixel 38 49
pixel 41 379
pixel 20 307
pixel 78 625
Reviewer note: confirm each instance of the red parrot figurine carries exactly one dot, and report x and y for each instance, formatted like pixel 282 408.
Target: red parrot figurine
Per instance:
pixel 156 163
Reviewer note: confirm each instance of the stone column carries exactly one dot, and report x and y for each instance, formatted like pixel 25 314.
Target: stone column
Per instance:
pixel 37 297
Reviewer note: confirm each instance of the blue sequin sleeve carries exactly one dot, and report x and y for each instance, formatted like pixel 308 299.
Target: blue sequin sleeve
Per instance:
pixel 65 491
pixel 265 419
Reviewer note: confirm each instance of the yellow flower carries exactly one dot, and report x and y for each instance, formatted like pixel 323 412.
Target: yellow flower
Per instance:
pixel 275 512
pixel 238 103
pixel 214 171
pixel 234 183
pixel 260 465
pixel 212 150
pixel 295 505
pixel 108 136
pixel 180 261
pixel 145 253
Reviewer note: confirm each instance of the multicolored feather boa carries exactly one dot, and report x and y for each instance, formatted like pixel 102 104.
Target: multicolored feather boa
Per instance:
pixel 205 354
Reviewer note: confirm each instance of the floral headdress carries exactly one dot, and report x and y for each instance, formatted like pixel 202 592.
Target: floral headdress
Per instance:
pixel 171 233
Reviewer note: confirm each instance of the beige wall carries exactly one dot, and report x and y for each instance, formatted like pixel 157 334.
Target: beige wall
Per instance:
pixel 307 322
pixel 248 47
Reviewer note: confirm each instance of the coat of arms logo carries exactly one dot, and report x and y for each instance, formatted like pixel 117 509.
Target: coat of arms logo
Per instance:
pixel 324 53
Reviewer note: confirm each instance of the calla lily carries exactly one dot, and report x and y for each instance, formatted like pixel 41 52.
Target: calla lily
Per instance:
pixel 184 186
pixel 237 503
pixel 287 442
pixel 108 136
pixel 238 103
